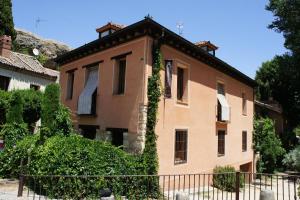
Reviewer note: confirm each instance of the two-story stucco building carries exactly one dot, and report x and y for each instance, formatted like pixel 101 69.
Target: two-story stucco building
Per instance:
pixel 205 114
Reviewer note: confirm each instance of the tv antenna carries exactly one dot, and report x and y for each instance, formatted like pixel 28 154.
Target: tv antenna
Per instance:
pixel 179 26
pixel 38 21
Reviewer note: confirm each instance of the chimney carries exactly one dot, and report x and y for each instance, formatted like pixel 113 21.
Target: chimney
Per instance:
pixel 5 46
pixel 208 47
pixel 108 29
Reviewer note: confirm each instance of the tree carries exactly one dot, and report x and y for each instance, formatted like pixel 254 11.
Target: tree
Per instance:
pixel 280 79
pixel 287 21
pixel 15 111
pixel 6 19
pixel 267 144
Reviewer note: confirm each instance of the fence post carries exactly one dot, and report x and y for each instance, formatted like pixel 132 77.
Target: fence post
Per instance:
pixel 21 180
pixel 237 185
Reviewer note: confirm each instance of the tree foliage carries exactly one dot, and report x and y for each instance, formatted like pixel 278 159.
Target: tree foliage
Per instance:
pixel 267 144
pixel 6 19
pixel 287 21
pixel 50 106
pixel 16 107
pixel 280 79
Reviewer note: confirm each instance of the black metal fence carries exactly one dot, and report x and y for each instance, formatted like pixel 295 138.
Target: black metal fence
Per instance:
pixel 225 186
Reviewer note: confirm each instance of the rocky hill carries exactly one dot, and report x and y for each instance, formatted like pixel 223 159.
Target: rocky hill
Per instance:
pixel 49 48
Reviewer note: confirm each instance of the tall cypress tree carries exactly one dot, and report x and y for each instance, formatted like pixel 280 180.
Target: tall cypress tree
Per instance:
pixel 6 19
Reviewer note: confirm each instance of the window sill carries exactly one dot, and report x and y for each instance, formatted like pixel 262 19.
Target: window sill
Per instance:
pixel 87 115
pixel 180 162
pixel 119 95
pixel 244 150
pixel 221 155
pixel 222 122
pixel 180 102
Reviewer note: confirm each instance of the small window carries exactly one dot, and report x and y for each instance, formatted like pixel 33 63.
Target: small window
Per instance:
pixel 221 88
pixel 117 136
pixel 244 104
pixel 221 143
pixel 34 87
pixel 4 83
pixel 244 140
pixel 119 76
pixel 182 82
pixel 180 146
pixel 70 84
pixel 89 131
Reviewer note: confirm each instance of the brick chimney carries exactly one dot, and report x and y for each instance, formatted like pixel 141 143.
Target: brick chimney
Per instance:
pixel 5 46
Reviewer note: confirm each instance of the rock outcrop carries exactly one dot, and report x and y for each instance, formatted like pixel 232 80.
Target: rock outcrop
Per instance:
pixel 49 48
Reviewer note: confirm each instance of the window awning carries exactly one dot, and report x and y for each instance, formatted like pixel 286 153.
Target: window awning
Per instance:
pixel 86 96
pixel 224 107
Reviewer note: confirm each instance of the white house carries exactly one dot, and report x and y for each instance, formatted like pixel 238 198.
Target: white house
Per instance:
pixel 20 71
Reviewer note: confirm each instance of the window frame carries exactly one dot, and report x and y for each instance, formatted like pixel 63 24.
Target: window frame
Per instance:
pixel 244 141
pixel 6 82
pixel 244 104
pixel 185 84
pixel 221 132
pixel 70 88
pixel 185 151
pixel 116 77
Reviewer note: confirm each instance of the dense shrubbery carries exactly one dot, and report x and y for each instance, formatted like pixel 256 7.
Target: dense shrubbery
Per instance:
pixel 4 98
pixel 31 106
pixel 224 178
pixel 292 160
pixel 267 144
pixel 74 155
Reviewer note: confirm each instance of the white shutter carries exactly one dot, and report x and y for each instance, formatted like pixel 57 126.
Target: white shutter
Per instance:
pixel 85 98
pixel 225 116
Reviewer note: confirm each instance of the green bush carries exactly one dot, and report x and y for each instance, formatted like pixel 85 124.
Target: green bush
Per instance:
pixel 32 106
pixel 267 144
pixel 50 104
pixel 77 156
pixel 15 110
pixel 4 101
pixel 13 132
pixel 224 178
pixel 292 159
pixel 62 123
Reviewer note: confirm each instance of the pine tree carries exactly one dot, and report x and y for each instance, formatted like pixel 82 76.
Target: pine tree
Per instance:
pixel 6 19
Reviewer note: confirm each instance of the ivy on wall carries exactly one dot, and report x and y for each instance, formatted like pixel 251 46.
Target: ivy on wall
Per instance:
pixel 154 92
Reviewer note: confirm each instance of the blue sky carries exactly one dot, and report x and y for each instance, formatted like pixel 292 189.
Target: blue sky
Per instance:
pixel 237 27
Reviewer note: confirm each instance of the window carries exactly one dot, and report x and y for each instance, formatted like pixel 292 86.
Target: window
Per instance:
pixel 182 82
pixel 117 136
pixel 221 88
pixel 88 131
pixel 244 104
pixel 119 76
pixel 70 84
pixel 221 142
pixel 180 146
pixel 34 87
pixel 88 97
pixel 4 83
pixel 244 140
pixel 168 78
pixel 223 109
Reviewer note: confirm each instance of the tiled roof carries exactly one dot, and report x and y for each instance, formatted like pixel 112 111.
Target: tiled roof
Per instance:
pixel 28 63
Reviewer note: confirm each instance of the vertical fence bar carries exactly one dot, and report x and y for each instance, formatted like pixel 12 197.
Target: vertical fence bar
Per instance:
pixel 237 185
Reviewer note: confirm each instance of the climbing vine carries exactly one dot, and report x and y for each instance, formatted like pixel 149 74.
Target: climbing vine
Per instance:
pixel 154 93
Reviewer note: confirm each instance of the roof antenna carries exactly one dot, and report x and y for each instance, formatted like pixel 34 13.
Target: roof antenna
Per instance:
pixel 179 26
pixel 35 51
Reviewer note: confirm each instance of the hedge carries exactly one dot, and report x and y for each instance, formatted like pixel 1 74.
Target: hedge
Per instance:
pixel 224 178
pixel 74 155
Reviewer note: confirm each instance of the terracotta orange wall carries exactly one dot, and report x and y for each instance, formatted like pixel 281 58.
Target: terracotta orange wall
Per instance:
pixel 117 111
pixel 199 118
